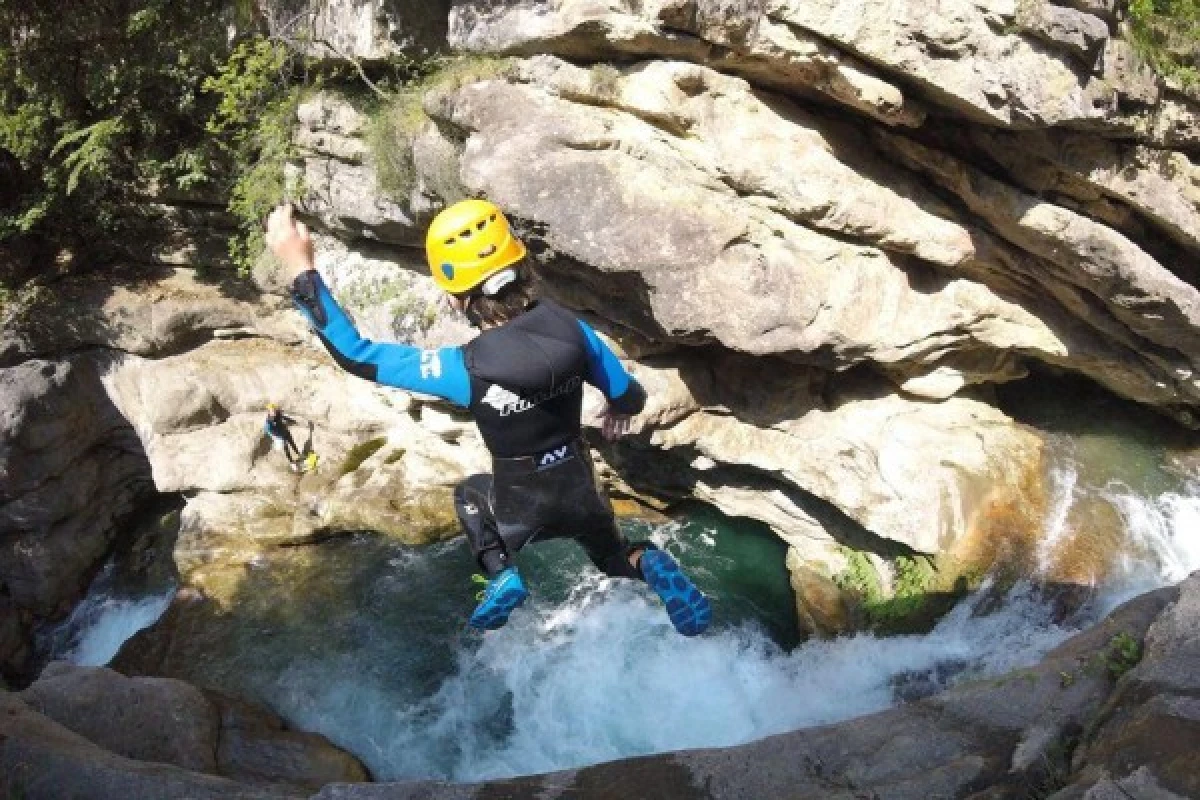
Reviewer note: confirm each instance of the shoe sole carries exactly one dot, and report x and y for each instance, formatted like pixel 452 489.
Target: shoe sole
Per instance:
pixel 687 607
pixel 501 606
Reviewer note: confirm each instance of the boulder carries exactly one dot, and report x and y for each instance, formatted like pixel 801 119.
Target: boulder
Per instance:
pixel 144 719
pixel 43 760
pixel 257 747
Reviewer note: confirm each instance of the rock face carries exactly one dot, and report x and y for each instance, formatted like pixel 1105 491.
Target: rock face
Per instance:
pixel 164 391
pixel 363 31
pixel 72 469
pixel 91 732
pixel 820 231
pixel 903 205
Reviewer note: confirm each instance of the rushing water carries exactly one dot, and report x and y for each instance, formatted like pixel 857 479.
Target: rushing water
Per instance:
pixel 364 640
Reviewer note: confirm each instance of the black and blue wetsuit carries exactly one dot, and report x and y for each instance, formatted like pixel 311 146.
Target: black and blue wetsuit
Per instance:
pixel 276 426
pixel 523 383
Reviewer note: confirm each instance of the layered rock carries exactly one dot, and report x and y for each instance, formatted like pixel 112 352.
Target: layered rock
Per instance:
pixel 164 391
pixel 1010 64
pixel 863 451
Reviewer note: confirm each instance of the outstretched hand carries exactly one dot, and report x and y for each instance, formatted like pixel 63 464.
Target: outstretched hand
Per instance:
pixel 289 241
pixel 613 425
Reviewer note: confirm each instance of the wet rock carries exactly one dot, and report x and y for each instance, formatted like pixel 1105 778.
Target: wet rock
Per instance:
pixel 256 747
pixel 145 719
pixel 43 760
pixel 1154 718
pixel 820 606
pixel 72 471
pixel 15 648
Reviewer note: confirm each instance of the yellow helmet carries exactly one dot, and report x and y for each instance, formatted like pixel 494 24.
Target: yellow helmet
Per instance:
pixel 469 242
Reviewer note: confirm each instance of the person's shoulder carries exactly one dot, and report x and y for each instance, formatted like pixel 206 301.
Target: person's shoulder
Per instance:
pixel 554 307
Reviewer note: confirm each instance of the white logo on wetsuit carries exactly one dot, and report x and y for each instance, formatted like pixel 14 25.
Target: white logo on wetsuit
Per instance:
pixel 507 402
pixel 431 364
pixel 553 458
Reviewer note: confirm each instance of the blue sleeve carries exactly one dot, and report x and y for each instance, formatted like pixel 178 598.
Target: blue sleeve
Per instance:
pixel 605 371
pixel 441 373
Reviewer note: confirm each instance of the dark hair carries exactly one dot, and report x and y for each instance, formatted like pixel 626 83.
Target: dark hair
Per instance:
pixel 511 301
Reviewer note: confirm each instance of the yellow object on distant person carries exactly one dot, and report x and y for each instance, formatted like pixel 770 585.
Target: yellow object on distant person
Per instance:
pixel 310 462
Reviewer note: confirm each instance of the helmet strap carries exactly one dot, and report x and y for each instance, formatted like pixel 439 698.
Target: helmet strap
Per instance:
pixel 492 286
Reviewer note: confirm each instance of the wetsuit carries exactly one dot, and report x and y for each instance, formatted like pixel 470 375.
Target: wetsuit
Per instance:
pixel 523 383
pixel 276 427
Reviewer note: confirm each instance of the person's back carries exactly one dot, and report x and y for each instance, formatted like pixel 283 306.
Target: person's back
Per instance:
pixel 522 379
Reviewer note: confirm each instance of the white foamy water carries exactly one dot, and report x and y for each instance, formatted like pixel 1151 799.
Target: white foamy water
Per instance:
pixel 100 624
pixel 1164 535
pixel 1063 480
pixel 604 676
pixel 600 674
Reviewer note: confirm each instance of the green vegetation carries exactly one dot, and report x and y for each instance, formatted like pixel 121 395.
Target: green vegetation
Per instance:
pixel 1123 654
pixel 100 107
pixel 108 110
pixel 252 126
pixel 360 453
pixel 917 598
pixel 859 577
pixel 1167 34
pixel 398 118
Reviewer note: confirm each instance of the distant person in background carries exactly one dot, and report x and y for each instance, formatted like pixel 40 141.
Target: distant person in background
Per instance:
pixel 276 427
pixel 522 379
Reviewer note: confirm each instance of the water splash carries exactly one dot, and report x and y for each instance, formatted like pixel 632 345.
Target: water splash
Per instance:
pixel 1064 478
pixel 602 676
pixel 1163 543
pixel 103 621
pixel 591 670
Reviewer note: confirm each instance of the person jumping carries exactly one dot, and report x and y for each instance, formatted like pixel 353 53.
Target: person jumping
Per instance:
pixel 276 427
pixel 522 380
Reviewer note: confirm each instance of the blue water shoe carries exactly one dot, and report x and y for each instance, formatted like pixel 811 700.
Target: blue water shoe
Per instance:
pixel 687 607
pixel 503 593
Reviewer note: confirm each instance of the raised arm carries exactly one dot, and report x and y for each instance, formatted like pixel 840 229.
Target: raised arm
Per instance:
pixel 441 373
pixel 625 395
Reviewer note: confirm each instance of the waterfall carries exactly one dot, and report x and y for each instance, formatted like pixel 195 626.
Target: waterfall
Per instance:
pixel 590 670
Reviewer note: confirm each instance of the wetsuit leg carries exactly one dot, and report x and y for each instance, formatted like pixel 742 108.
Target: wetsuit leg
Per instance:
pixel 473 504
pixel 289 445
pixel 609 550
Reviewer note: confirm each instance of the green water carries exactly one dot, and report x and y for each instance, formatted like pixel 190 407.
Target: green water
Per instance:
pixel 395 615
pixel 741 564
pixel 1107 439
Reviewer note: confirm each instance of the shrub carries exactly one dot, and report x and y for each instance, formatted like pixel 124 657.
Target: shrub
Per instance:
pixel 1167 35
